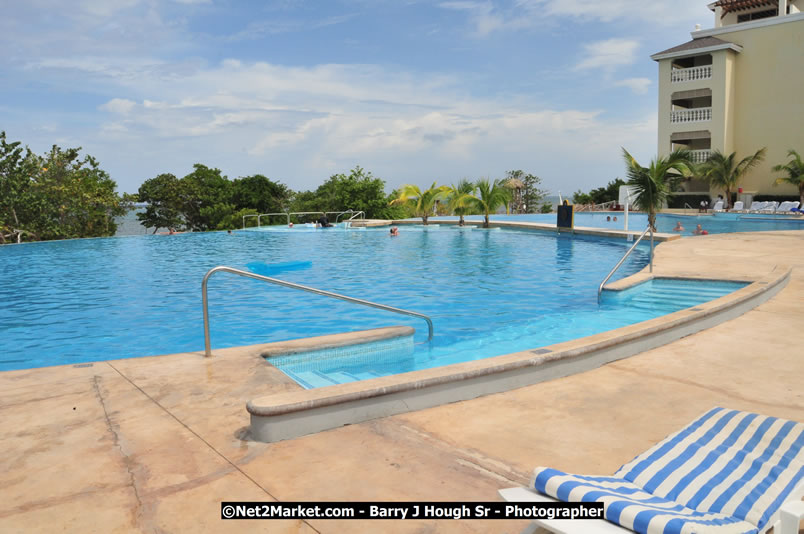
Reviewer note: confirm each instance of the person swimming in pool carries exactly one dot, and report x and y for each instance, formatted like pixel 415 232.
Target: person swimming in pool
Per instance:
pixel 394 231
pixel 323 222
pixel 678 227
pixel 699 231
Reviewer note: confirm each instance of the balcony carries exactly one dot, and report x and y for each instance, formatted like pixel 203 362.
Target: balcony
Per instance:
pixel 699 156
pixel 690 115
pixel 703 72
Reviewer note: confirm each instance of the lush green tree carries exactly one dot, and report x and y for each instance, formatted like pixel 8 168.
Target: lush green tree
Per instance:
pixel 460 199
pixel 608 193
pixel 56 196
pixel 490 197
pixel 721 171
pixel 532 196
pixel 652 184
pixel 259 193
pixel 163 197
pixel 17 166
pixel 201 191
pixel 795 174
pixel 579 197
pixel 420 203
pixel 546 208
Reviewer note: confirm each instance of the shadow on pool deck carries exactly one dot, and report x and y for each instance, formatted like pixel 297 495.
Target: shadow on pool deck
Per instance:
pixel 154 444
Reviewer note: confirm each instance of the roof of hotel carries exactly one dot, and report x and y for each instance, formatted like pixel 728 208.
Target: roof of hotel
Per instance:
pixel 737 5
pixel 701 42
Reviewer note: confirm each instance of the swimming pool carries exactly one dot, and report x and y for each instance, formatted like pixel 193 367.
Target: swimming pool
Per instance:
pixel 488 292
pixel 718 223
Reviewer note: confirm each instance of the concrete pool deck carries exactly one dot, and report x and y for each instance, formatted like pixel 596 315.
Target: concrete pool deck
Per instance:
pixel 154 444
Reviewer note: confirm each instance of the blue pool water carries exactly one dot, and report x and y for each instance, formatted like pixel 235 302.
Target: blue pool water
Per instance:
pixel 488 292
pixel 618 308
pixel 718 223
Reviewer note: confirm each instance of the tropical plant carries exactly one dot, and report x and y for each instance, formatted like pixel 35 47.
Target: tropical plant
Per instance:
pixel 420 203
pixel 460 199
pixel 720 170
pixel 795 174
pixel 490 197
pixel 651 185
pixel 531 195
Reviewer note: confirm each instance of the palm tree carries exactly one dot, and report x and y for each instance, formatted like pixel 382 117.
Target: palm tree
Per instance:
pixel 420 202
pixel 652 184
pixel 721 171
pixel 460 199
pixel 491 195
pixel 795 174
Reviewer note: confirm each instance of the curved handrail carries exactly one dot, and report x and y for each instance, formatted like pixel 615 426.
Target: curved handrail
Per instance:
pixel 223 268
pixel 351 212
pixel 648 229
pixel 244 220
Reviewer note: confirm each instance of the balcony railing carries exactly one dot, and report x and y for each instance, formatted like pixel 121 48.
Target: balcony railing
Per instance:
pixel 699 156
pixel 704 72
pixel 691 115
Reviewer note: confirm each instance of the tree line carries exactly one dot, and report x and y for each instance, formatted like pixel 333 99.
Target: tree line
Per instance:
pixel 205 199
pixel 57 195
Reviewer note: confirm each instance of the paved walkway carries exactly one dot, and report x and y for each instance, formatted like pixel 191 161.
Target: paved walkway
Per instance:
pixel 154 444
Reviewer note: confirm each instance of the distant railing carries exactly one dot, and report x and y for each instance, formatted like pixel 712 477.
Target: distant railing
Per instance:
pixel 691 115
pixel 704 72
pixel 603 206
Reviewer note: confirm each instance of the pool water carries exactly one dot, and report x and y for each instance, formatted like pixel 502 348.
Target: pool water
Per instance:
pixel 488 292
pixel 718 223
pixel 618 308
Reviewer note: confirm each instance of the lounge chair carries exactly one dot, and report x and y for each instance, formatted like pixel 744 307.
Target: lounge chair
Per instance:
pixel 727 471
pixel 756 206
pixel 769 207
pixel 718 206
pixel 738 206
pixel 784 207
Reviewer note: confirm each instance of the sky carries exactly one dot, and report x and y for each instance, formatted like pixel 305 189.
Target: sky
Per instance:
pixel 414 91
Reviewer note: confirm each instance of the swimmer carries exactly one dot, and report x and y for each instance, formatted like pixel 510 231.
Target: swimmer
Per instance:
pixel 290 225
pixel 229 232
pixel 678 227
pixel 699 231
pixel 615 218
pixel 394 231
pixel 608 218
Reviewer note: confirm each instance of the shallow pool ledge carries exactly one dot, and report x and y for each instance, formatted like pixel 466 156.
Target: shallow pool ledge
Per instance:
pixel 288 415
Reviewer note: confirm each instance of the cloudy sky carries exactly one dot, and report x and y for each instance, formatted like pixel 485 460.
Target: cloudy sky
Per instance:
pixel 415 91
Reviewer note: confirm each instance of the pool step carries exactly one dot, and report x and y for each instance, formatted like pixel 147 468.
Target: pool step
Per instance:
pixel 317 379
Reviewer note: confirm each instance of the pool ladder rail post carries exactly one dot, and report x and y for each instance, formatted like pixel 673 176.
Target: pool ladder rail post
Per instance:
pixel 625 256
pixel 222 268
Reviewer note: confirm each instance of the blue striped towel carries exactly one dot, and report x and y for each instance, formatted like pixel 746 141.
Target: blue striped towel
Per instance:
pixel 728 471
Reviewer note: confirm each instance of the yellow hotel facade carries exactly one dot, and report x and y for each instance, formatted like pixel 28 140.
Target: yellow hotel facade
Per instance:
pixel 737 87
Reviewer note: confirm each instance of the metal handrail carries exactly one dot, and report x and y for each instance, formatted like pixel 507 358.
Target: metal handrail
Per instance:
pixel 361 213
pixel 261 215
pixel 222 268
pixel 244 220
pixel 648 229
pixel 687 206
pixel 354 214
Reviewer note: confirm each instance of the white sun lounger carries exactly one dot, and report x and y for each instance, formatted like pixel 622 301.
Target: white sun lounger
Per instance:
pixel 726 472
pixel 756 206
pixel 738 206
pixel 718 206
pixel 769 207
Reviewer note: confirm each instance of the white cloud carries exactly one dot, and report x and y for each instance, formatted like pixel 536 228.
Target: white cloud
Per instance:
pixel 608 54
pixel 490 16
pixel 315 121
pixel 120 106
pixel 638 85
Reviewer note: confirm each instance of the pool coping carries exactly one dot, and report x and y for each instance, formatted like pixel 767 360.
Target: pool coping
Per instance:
pixel 659 237
pixel 288 415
